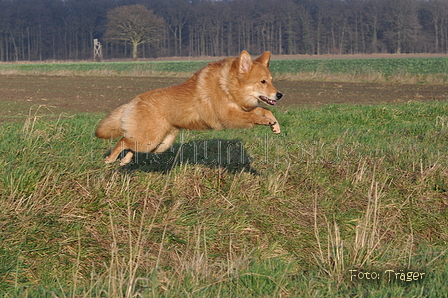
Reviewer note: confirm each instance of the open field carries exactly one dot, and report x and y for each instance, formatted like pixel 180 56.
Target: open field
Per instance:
pixel 350 200
pixel 412 69
pixel 74 94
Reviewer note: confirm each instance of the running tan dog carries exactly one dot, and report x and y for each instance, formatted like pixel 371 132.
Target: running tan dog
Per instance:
pixel 223 94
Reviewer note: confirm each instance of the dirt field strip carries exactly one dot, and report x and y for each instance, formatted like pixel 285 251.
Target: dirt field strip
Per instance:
pixel 101 94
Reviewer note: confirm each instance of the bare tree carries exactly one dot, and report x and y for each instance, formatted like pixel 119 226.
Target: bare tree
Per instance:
pixel 401 22
pixel 133 24
pixel 65 29
pixel 373 13
pixel 177 14
pixel 438 10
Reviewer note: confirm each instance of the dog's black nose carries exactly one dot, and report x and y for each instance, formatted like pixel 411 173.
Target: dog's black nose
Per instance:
pixel 279 95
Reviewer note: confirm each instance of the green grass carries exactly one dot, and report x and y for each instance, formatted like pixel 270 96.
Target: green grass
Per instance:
pixel 247 213
pixel 112 68
pixel 118 67
pixel 386 66
pixel 402 69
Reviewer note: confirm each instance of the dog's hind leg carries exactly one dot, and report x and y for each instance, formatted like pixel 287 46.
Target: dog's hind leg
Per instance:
pixel 127 158
pixel 148 143
pixel 168 140
pixel 117 150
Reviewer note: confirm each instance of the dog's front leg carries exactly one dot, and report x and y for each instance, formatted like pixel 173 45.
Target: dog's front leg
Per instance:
pixel 269 118
pixel 237 118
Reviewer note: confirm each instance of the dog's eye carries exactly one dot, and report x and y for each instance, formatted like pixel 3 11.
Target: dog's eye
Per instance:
pixel 263 81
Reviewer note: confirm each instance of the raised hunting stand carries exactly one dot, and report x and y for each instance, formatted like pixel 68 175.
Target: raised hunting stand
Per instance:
pixel 97 51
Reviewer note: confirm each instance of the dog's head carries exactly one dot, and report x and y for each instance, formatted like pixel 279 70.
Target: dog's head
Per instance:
pixel 257 79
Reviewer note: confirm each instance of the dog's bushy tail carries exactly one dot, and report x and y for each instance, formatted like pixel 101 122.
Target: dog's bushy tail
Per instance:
pixel 110 127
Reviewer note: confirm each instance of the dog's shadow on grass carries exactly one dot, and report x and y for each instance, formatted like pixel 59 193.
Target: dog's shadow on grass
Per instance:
pixel 215 153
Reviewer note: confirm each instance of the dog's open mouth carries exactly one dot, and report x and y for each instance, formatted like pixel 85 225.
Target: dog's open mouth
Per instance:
pixel 268 101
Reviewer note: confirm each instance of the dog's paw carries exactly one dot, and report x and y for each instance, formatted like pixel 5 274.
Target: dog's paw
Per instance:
pixel 123 162
pixel 127 159
pixel 275 128
pixel 109 159
pixel 268 122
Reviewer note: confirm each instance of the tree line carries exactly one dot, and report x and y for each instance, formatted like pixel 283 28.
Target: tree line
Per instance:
pixel 65 29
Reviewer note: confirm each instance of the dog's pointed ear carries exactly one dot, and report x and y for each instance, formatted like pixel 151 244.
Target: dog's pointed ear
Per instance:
pixel 264 58
pixel 244 62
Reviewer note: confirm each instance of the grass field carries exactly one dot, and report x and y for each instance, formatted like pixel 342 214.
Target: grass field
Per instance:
pixel 368 69
pixel 349 201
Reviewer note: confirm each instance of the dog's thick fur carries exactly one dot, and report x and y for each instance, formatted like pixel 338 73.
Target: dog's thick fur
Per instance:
pixel 223 94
